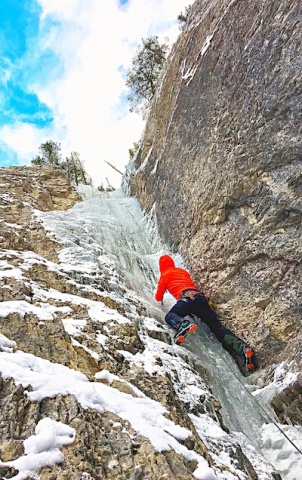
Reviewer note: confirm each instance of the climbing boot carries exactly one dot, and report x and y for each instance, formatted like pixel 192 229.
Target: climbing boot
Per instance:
pixel 183 325
pixel 184 328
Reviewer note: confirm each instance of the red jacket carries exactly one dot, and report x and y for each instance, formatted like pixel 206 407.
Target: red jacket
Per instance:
pixel 173 279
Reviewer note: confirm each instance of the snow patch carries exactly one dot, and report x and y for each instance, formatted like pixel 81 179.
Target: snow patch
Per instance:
pixel 74 327
pixel 42 449
pixel 280 452
pixel 144 164
pixel 88 350
pixel 145 415
pixel 22 308
pixel 282 379
pixel 7 345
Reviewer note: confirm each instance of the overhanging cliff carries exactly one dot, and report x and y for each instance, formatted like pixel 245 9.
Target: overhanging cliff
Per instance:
pixel 220 163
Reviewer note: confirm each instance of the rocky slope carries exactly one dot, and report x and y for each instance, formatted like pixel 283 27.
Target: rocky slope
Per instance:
pixel 53 322
pixel 220 165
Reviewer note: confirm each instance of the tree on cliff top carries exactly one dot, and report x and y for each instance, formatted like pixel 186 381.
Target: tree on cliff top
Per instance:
pixel 50 153
pixel 133 151
pixel 183 16
pixel 75 169
pixel 146 67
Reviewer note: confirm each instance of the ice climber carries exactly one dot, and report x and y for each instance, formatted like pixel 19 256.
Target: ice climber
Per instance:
pixel 191 301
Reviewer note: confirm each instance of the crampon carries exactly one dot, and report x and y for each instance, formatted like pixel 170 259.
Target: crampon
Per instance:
pixel 248 359
pixel 182 333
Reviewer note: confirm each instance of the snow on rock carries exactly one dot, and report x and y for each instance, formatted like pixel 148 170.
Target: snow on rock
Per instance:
pixel 22 308
pixel 144 414
pixel 282 378
pixel 279 450
pixel 7 345
pixel 42 449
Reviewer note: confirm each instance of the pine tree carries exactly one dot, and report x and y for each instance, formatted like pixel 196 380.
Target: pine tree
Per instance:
pixel 132 151
pixel 146 67
pixel 50 152
pixel 75 169
pixel 183 17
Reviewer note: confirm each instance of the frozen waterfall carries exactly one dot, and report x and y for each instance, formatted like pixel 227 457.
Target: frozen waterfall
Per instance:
pixel 110 243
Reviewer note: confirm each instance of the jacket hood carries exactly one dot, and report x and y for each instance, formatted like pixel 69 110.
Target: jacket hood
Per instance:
pixel 165 262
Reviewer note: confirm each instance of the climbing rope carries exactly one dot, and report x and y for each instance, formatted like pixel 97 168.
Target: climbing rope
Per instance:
pixel 264 413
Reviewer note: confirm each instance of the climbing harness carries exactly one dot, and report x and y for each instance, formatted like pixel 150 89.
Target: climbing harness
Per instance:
pixel 191 294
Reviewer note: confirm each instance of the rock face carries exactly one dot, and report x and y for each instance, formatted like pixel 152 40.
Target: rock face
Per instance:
pixel 23 189
pixel 220 164
pixel 45 315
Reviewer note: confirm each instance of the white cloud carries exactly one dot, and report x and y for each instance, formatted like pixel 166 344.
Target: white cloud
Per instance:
pixel 93 39
pixel 22 138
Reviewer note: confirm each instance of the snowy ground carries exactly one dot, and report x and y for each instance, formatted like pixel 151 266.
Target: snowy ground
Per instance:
pixel 106 241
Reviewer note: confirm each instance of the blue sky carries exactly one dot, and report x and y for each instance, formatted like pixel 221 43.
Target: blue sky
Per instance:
pixel 62 65
pixel 19 64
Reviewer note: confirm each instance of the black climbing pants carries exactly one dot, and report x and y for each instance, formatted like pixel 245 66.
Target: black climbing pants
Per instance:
pixel 199 306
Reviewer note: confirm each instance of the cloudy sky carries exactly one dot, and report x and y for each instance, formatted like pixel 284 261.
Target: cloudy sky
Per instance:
pixel 63 66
